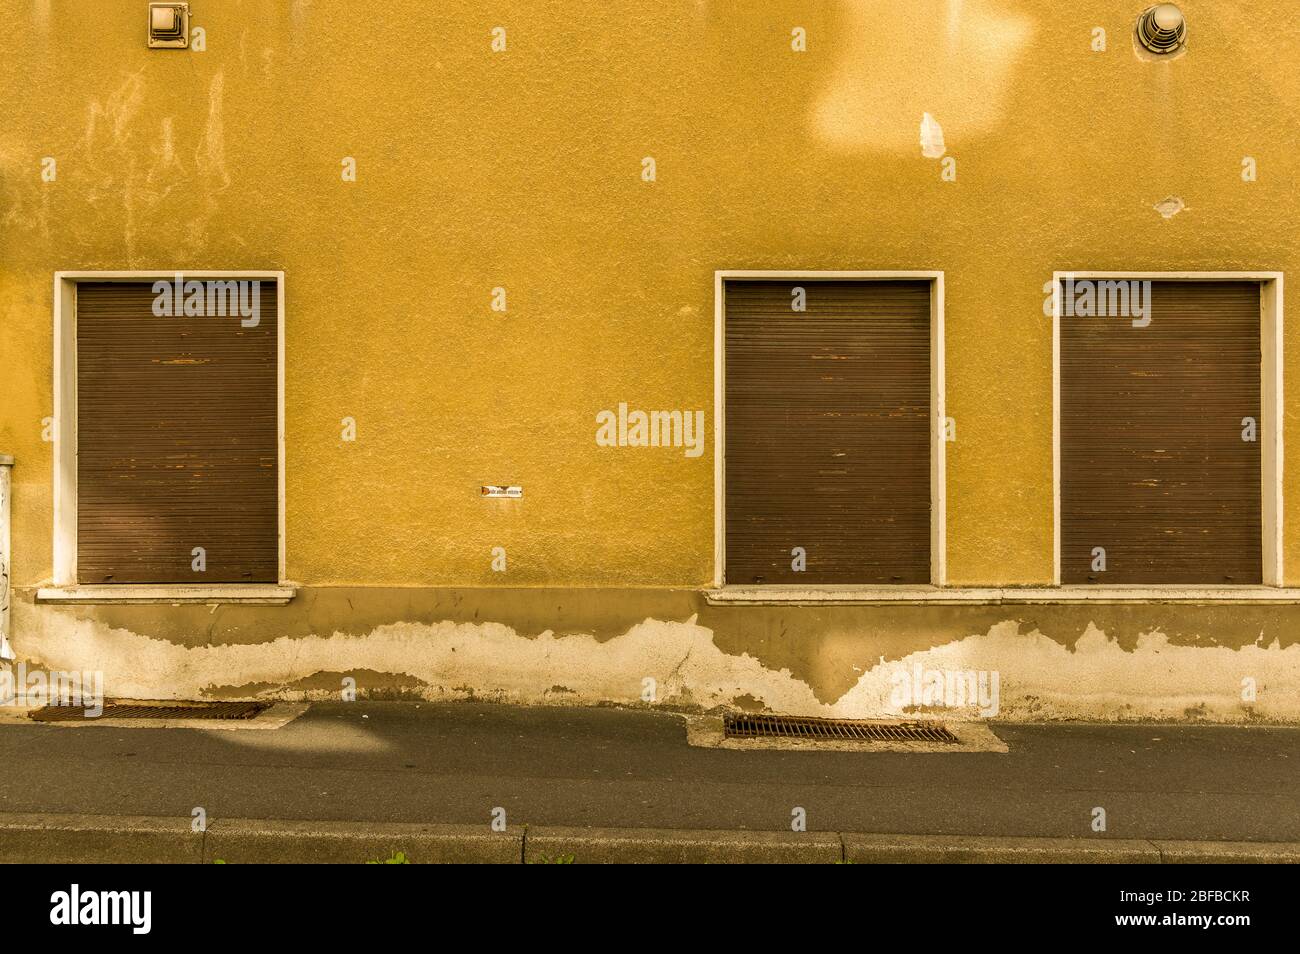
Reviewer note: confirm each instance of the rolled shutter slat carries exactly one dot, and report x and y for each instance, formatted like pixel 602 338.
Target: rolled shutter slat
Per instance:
pixel 828 432
pixel 176 441
pixel 1154 469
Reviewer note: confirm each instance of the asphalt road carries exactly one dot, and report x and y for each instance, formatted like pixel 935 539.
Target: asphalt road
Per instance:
pixel 454 763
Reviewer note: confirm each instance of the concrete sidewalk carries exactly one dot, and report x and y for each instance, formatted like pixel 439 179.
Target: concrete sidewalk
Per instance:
pixel 352 781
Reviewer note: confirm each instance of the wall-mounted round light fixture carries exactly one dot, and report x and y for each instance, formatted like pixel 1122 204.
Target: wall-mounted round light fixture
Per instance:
pixel 1162 29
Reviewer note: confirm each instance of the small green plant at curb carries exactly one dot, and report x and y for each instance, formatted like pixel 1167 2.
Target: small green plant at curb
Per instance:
pixel 396 858
pixel 557 860
pixel 218 861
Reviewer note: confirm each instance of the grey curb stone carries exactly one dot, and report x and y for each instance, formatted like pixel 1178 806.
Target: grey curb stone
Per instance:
pixel 666 846
pixel 959 849
pixel 1228 852
pixel 118 839
pixel 247 841
pixel 97 839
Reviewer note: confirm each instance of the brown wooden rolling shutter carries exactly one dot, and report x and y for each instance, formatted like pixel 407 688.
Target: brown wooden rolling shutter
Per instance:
pixel 176 441
pixel 828 432
pixel 1154 467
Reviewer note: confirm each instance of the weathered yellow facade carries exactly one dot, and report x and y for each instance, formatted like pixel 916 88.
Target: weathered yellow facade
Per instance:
pixel 522 169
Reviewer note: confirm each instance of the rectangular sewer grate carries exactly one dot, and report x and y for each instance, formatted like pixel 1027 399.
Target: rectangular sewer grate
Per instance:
pixel 739 725
pixel 137 710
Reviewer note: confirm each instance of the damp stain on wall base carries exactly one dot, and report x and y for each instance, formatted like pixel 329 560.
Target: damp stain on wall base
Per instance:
pixel 835 668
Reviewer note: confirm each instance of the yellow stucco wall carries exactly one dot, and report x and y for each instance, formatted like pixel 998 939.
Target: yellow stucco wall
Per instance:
pixel 522 169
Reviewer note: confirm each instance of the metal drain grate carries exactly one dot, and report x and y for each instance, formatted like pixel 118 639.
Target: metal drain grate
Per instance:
pixel 746 726
pixel 159 710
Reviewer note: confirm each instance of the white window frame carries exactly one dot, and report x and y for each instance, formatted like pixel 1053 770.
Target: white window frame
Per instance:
pixel 65 587
pixel 1272 592
pixel 1271 419
pixel 938 416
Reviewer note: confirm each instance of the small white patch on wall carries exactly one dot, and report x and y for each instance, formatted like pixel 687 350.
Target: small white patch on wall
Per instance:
pixel 932 146
pixel 1169 206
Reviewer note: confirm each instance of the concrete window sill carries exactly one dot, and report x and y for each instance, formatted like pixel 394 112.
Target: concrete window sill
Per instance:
pixel 270 594
pixel 884 595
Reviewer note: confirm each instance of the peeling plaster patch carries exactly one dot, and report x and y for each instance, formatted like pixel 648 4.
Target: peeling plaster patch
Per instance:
pixel 245 691
pixel 495 660
pixel 1169 206
pixel 1097 679
pixel 375 685
pixel 1040 678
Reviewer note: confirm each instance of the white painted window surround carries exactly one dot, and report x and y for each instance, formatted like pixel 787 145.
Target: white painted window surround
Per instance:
pixel 64 587
pixel 266 593
pixel 994 595
pixel 1271 311
pixel 938 479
